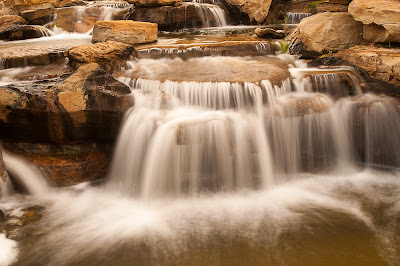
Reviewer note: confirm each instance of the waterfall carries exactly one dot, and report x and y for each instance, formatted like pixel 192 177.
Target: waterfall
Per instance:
pixel 210 15
pixel 25 174
pixel 295 18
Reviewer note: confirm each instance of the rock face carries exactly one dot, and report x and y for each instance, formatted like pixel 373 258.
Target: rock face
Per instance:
pixel 125 31
pixel 155 3
pixel 380 63
pixel 325 32
pixel 85 107
pixel 107 53
pixel 257 10
pixel 381 19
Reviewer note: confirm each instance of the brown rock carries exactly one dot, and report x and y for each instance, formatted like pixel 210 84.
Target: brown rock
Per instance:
pixel 328 7
pixel 3 175
pixel 130 32
pixel 39 16
pixel 11 20
pixel 380 17
pixel 380 63
pixel 22 32
pixel 257 10
pixel 155 3
pixel 325 32
pixel 106 53
pixel 21 5
pixel 269 33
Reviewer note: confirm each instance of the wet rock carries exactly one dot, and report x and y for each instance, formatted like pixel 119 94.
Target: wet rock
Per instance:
pixel 155 3
pixel 269 33
pixel 22 32
pixel 108 54
pixel 3 175
pixel 87 106
pixel 67 165
pixel 380 63
pixel 2 216
pixel 125 31
pixel 324 32
pixel 381 19
pixel 169 18
pixel 39 16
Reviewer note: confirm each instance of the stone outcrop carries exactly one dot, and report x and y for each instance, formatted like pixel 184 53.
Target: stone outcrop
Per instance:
pixel 85 107
pixel 325 32
pixel 381 19
pixel 125 31
pixel 380 63
pixel 108 54
pixel 256 10
pixel 39 16
pixel 155 3
pixel 66 165
pixel 10 21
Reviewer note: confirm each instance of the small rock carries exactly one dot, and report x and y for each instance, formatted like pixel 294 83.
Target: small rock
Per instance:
pixel 269 33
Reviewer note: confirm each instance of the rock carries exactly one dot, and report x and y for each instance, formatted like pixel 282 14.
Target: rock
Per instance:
pixel 23 32
pixel 108 54
pixel 69 3
pixel 39 16
pixel 380 63
pixel 380 17
pixel 3 175
pixel 21 5
pixel 329 7
pixel 11 20
pixel 86 106
pixel 155 3
pixel 66 165
pixel 2 217
pixel 269 33
pixel 325 32
pixel 256 10
pixel 343 2
pixel 125 31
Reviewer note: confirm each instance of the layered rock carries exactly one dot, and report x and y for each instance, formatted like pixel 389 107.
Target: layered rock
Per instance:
pixel 325 32
pixel 38 17
pixel 86 107
pixel 109 54
pixel 125 31
pixel 381 19
pixel 155 3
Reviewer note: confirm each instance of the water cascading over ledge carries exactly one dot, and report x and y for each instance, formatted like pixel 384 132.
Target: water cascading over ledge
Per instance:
pixel 196 137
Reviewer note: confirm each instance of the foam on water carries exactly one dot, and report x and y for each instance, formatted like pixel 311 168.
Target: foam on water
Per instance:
pixel 8 251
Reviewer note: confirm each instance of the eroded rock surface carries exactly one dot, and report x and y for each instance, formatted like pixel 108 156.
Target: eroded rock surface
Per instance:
pixel 154 3
pixel 125 31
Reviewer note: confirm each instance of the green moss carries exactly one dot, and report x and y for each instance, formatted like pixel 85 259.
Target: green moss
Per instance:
pixel 314 4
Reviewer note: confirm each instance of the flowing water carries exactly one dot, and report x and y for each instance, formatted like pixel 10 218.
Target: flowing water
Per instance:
pixel 223 160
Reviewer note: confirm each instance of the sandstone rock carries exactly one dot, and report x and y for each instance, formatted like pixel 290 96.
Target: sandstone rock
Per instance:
pixel 22 32
pixel 21 5
pixel 87 106
pixel 380 17
pixel 66 165
pixel 257 10
pixel 69 3
pixel 130 32
pixel 325 32
pixel 154 3
pixel 380 63
pixel 11 20
pixel 39 16
pixel 328 7
pixel 108 53
pixel 269 33
pixel 343 2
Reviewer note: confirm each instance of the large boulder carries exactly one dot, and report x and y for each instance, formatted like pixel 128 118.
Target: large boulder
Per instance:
pixel 107 54
pixel 8 21
pixel 125 31
pixel 39 16
pixel 324 32
pixel 88 106
pixel 22 32
pixel 154 3
pixel 256 10
pixel 380 63
pixel 381 19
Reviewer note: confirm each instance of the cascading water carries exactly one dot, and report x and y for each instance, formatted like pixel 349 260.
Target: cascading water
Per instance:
pixel 210 15
pixel 295 18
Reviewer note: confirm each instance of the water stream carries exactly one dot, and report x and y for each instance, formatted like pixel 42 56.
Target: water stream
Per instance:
pixel 224 159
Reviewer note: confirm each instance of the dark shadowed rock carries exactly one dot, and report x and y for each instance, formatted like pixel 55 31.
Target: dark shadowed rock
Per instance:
pixel 269 33
pixel 38 17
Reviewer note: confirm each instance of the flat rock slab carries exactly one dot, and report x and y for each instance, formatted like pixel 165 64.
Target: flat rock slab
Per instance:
pixel 36 52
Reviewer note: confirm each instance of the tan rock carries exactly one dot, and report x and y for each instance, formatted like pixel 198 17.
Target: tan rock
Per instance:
pixel 380 63
pixel 154 3
pixel 11 20
pixel 39 16
pixel 257 10
pixel 381 17
pixel 328 31
pixel 126 31
pixel 104 53
pixel 21 5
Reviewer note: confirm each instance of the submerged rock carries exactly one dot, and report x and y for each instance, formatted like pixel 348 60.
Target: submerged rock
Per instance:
pixel 381 19
pixel 324 32
pixel 125 31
